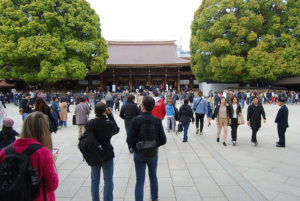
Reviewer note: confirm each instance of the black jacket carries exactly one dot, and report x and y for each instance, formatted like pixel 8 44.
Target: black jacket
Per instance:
pixel 186 114
pixel 282 117
pixel 104 128
pixel 25 106
pixel 216 112
pixel 135 127
pixel 128 112
pixel 254 115
pixel 231 111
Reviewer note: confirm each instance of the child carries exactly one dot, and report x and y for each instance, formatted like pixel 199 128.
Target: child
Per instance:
pixel 8 134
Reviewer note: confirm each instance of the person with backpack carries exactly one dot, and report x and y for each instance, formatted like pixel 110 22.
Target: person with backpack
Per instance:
pixel 27 167
pixel 128 112
pixel 97 150
pixel 8 134
pixel 159 109
pixel 185 117
pixel 145 135
pixel 200 108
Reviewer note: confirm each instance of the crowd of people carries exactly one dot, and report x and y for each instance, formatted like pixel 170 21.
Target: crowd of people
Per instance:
pixel 143 113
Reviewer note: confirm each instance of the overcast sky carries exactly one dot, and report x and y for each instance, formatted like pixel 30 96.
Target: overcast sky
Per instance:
pixel 146 19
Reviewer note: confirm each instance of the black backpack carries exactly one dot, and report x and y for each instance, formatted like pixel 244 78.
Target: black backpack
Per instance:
pixel 92 151
pixel 147 142
pixel 18 179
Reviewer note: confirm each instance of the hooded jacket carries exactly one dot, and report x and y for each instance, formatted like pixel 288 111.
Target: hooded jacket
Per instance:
pixel 159 109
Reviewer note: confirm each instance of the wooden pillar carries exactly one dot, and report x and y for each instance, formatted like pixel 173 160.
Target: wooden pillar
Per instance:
pixel 114 76
pixel 191 82
pixel 149 77
pixel 89 83
pixel 178 79
pixel 101 81
pixel 166 78
pixel 130 80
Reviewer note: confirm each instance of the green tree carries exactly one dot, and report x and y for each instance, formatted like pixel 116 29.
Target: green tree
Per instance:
pixel 49 40
pixel 245 40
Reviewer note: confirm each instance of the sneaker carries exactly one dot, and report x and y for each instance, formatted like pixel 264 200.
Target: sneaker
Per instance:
pixel 234 143
pixel 201 133
pixel 197 131
pixel 255 144
pixel 218 139
pixel 224 143
pixel 184 140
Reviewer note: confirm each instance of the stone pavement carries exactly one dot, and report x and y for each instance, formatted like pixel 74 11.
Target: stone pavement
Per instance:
pixel 201 169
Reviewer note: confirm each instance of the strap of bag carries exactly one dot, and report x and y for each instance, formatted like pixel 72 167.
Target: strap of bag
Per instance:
pixel 32 148
pixel 9 150
pixel 198 103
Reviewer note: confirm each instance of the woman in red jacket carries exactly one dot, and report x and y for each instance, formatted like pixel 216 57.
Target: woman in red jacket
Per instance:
pixel 36 131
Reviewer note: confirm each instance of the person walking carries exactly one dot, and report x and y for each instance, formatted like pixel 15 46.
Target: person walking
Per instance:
pixel 209 110
pixel 200 108
pixel 159 109
pixel 63 115
pixel 55 110
pixel 282 122
pixel 104 127
pixel 7 134
pixel 109 100
pixel 35 136
pixel 221 114
pixel 40 105
pixel 235 109
pixel 185 116
pixel 82 112
pixel 26 106
pixel 128 112
pixel 170 110
pixel 139 127
pixel 254 113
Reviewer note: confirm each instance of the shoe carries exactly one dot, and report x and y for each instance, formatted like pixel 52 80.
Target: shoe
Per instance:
pixel 234 143
pixel 218 139
pixel 255 143
pixel 201 133
pixel 278 145
pixel 224 143
pixel 184 140
pixel 131 150
pixel 197 131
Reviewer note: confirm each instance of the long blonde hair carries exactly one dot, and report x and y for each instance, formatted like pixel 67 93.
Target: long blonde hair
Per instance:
pixel 36 126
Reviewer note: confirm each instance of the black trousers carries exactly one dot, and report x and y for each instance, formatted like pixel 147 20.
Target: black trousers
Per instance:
pixel 234 125
pixel 281 135
pixel 199 117
pixel 254 132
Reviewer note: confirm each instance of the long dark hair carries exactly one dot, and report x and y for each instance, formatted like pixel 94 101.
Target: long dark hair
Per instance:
pixel 8 133
pixel 41 106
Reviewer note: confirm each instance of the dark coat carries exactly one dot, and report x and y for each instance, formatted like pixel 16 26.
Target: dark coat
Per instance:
pixel 216 112
pixel 239 109
pixel 128 112
pixel 135 127
pixel 254 115
pixel 104 128
pixel 55 110
pixel 25 106
pixel 282 117
pixel 186 114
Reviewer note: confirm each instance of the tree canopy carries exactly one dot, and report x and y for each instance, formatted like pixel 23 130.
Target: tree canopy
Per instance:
pixel 49 40
pixel 246 40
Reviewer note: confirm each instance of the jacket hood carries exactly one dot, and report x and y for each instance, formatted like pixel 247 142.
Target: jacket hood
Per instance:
pixel 156 99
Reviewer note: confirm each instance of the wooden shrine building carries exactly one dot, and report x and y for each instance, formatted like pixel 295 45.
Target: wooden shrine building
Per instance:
pixel 147 63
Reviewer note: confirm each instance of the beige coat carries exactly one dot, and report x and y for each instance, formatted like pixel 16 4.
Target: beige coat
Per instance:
pixel 63 111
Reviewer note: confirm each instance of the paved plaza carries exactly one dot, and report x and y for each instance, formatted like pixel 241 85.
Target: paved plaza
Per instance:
pixel 201 169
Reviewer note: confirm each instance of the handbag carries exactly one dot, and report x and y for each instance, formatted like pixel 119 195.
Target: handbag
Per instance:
pixel 74 119
pixel 241 120
pixel 179 128
pixel 21 111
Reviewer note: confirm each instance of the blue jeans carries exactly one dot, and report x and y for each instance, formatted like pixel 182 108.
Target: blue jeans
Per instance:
pixel 243 103
pixel 127 129
pixel 25 115
pixel 185 128
pixel 140 167
pixel 62 123
pixel 108 171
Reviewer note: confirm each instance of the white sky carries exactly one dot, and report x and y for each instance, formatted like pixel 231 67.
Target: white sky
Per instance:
pixel 146 19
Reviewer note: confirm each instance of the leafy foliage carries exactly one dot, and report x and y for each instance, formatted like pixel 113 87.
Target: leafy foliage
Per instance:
pixel 246 40
pixel 49 40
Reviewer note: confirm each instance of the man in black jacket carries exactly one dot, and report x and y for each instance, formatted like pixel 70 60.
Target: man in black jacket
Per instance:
pixel 255 111
pixel 128 112
pixel 104 127
pixel 282 122
pixel 26 105
pixel 141 161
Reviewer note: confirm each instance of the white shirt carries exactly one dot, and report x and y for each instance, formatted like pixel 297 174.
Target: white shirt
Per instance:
pixel 234 110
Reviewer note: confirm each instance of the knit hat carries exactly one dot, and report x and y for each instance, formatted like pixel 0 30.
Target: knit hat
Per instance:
pixel 8 122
